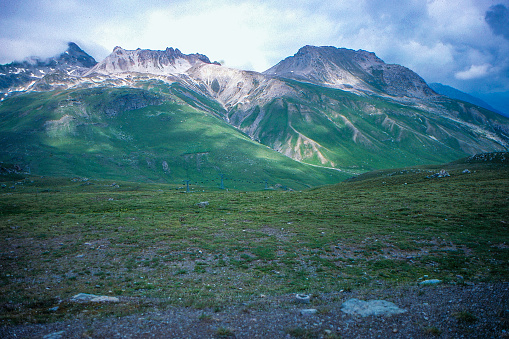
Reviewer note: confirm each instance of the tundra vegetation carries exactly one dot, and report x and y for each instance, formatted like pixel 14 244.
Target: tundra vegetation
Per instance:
pixel 156 243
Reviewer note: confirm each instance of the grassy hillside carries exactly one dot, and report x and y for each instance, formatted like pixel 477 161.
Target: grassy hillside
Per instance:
pixel 146 135
pixel 326 126
pixel 62 237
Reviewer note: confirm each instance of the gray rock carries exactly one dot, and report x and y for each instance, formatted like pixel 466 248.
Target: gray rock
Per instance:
pixel 105 298
pixel 202 204
pixel 54 335
pixel 371 307
pixel 442 174
pixel 430 282
pixel 85 297
pixel 308 311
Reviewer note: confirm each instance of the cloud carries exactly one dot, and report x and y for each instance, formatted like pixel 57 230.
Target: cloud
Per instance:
pixel 498 20
pixel 474 72
pixel 452 42
pixel 248 35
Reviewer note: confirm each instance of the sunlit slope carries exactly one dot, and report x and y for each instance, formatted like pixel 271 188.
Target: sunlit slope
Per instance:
pixel 331 127
pixel 140 135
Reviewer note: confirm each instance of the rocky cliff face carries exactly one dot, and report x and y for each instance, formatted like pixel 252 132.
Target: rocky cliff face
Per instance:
pixel 236 88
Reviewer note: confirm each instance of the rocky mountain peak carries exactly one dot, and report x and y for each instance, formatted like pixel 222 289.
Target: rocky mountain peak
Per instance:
pixel 74 55
pixel 352 70
pixel 166 62
pixel 17 75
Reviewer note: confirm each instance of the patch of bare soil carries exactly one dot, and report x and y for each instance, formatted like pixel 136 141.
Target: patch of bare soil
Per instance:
pixel 443 311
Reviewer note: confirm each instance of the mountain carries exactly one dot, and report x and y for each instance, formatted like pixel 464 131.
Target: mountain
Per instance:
pixel 454 93
pixel 316 117
pixel 16 76
pixel 348 69
pixel 169 61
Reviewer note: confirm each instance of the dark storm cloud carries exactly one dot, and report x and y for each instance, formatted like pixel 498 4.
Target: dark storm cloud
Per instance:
pixel 498 20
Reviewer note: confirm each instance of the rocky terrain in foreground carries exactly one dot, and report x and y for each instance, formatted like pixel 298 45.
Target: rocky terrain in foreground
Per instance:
pixel 463 310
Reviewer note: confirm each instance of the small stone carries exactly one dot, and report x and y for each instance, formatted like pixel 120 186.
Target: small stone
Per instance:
pixel 394 330
pixel 309 311
pixel 202 204
pixel 54 335
pixel 430 282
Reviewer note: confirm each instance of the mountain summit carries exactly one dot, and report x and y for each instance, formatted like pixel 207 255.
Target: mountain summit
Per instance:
pixel 170 61
pixel 75 56
pixel 16 76
pixel 351 70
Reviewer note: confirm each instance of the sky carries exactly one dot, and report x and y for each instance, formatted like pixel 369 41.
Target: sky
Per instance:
pixel 460 43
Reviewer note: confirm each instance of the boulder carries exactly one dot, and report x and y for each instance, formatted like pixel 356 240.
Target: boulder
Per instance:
pixel 430 282
pixel 85 297
pixel 372 307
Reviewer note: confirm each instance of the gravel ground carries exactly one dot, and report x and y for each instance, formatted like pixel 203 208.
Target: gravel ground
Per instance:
pixel 442 311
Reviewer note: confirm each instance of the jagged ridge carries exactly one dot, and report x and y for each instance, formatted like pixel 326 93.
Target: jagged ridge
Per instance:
pixel 15 75
pixel 170 61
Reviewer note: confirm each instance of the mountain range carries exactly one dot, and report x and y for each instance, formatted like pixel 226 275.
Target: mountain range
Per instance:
pixel 454 93
pixel 317 117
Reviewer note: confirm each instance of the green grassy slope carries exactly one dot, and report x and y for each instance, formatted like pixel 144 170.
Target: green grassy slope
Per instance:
pixel 148 135
pixel 368 132
pixel 62 237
